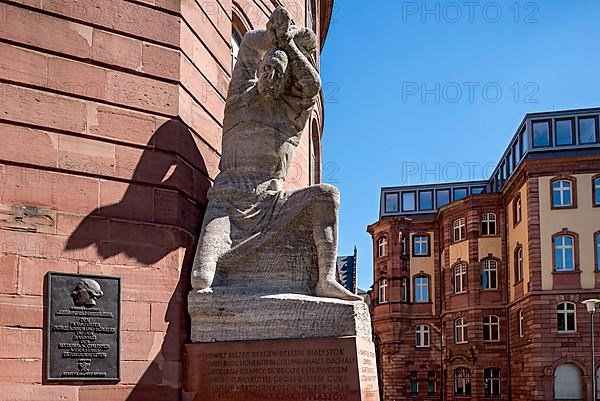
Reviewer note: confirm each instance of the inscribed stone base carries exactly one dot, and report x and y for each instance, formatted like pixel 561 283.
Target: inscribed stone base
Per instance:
pixel 237 314
pixel 340 369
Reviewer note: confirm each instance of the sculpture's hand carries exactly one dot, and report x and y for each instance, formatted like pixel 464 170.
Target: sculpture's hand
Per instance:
pixel 279 25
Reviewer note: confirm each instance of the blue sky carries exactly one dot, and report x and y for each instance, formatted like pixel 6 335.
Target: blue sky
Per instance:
pixel 432 92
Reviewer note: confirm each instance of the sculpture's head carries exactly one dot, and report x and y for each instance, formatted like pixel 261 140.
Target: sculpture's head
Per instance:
pixel 86 292
pixel 273 73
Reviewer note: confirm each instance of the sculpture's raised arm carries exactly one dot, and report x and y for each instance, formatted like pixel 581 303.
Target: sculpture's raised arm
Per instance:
pixel 305 77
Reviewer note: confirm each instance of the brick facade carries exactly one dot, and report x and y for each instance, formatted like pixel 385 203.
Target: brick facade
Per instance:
pixel 110 121
pixel 527 362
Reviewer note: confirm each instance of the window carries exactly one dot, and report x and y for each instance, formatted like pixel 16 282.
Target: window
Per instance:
pixel 404 289
pixel 564 253
pixel 588 130
pixel 382 286
pixel 431 386
pixel 517 211
pixel 442 197
pixel 404 243
pixel 310 18
pixel 460 278
pixel 426 200
pixel 491 382
pixel 477 190
pixel 565 317
pixel 568 384
pixel 564 130
pixel 489 274
pixel 409 203
pixel 541 134
pixel 596 190
pixel 462 382
pixel 491 328
pixel 521 323
pixel 414 383
pixel 236 41
pixel 488 224
pixel 562 193
pixel 391 203
pixel 459 229
pixel 597 248
pixel 422 334
pixel 460 330
pixel 422 289
pixel 518 264
pixel 460 193
pixel 382 247
pixel 420 245
pixel 523 142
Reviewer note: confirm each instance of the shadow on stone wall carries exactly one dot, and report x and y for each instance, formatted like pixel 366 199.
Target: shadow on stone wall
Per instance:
pixel 130 230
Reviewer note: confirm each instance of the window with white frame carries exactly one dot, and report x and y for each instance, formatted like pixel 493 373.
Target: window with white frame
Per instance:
pixel 236 41
pixel 521 323
pixel 421 289
pixel 462 382
pixel 566 321
pixel 459 229
pixel 488 224
pixel 564 253
pixel 491 328
pixel 460 330
pixel 518 264
pixel 562 193
pixel 383 286
pixel 460 278
pixel 382 247
pixel 489 274
pixel 420 245
pixel 422 336
pixel 491 382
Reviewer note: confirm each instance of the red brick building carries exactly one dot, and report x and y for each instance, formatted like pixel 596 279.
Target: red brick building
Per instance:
pixel 478 285
pixel 110 122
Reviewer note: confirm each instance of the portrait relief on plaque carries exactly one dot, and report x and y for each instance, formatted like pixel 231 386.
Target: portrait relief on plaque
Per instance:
pixel 83 328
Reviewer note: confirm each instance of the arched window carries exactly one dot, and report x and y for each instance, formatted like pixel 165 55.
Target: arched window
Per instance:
pixel 431 383
pixel 460 330
pixel 459 229
pixel 517 210
pixel 421 288
pixel 489 274
pixel 462 382
pixel 488 224
pixel 566 320
pixel 567 382
pixel 382 287
pixel 414 383
pixel 518 263
pixel 596 190
pixel 564 252
pixel 491 328
pixel 315 154
pixel 563 193
pixel 491 382
pixel 236 41
pixel 382 247
pixel 422 336
pixel 460 278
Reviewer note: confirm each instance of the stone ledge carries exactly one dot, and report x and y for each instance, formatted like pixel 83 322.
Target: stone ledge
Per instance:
pixel 232 314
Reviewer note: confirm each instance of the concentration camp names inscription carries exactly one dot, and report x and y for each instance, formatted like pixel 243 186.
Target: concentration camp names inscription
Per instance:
pixel 83 327
pixel 316 370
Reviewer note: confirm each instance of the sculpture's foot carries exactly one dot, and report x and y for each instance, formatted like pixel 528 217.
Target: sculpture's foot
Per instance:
pixel 205 291
pixel 333 289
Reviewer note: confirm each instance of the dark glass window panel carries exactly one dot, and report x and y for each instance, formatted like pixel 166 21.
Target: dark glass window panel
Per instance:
pixel 597 191
pixel 560 320
pixel 564 132
pixel 541 134
pixel 571 322
pixel 477 190
pixel 426 200
pixel 587 130
pixel 598 252
pixel 391 203
pixel 431 383
pixel 523 142
pixel 409 203
pixel 516 154
pixel 442 197
pixel 460 193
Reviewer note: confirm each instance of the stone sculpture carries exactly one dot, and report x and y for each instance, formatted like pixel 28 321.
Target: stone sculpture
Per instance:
pixel 271 94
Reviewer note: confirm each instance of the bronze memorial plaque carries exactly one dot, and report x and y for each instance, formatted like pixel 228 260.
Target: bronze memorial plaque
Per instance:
pixel 321 369
pixel 83 327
